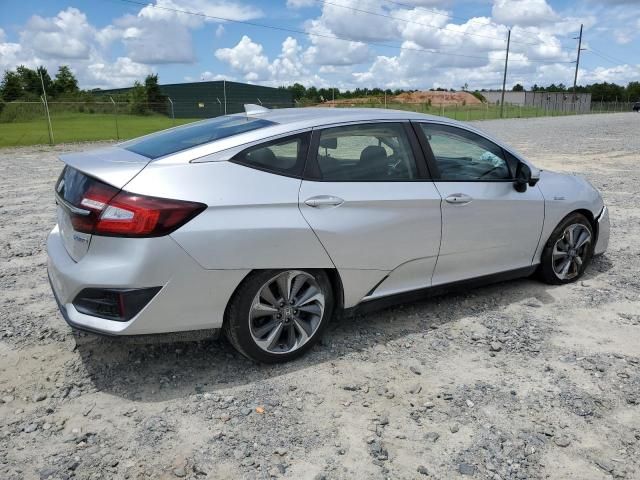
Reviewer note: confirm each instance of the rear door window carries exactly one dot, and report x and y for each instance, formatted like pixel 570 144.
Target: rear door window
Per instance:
pixel 181 138
pixel 372 152
pixel 284 156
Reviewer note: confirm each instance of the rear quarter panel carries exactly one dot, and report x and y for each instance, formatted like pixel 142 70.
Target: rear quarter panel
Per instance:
pixel 252 220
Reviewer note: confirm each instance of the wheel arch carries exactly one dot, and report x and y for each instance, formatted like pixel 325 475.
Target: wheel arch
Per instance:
pixel 332 273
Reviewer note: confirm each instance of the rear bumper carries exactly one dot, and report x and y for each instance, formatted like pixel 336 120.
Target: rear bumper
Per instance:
pixel 604 228
pixel 191 297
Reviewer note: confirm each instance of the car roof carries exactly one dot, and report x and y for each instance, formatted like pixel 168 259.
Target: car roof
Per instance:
pixel 315 116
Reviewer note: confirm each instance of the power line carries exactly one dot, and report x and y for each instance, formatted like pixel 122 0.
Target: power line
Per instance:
pixel 605 56
pixel 320 35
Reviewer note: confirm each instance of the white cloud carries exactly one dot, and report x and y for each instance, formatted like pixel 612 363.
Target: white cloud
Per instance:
pixel 220 31
pixel 9 52
pixel 171 11
pixel 301 3
pixel 523 12
pixel 246 57
pixel 325 50
pixel 68 35
pixel 122 73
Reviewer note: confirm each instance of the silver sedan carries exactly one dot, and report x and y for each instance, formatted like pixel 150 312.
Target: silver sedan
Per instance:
pixel 265 224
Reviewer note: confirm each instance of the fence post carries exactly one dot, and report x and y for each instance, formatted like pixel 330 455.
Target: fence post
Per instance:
pixel 49 127
pixel 224 91
pixel 115 109
pixel 173 115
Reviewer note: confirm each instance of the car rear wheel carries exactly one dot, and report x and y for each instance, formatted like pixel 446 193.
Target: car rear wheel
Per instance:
pixel 278 315
pixel 568 251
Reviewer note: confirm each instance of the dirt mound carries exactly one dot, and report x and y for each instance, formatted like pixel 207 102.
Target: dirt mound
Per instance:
pixel 438 98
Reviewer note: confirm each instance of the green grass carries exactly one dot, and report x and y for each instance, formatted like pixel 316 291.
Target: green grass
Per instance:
pixel 81 127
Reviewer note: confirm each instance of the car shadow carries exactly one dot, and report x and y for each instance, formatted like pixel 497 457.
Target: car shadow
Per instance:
pixel 163 371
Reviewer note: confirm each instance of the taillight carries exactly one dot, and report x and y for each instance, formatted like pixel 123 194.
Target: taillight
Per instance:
pixel 100 209
pixel 131 215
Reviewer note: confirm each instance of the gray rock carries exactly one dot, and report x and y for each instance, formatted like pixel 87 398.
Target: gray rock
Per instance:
pixel 422 470
pixel 466 469
pixel 415 370
pixel 384 420
pixel 39 396
pixel 432 436
pixel 454 428
pixel 351 387
pixel 415 389
pixel 245 411
pixel 605 465
pixel 562 441
pixel 32 427
pixel 495 347
pixel 180 472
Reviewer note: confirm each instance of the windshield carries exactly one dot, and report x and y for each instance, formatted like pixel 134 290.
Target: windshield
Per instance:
pixel 187 136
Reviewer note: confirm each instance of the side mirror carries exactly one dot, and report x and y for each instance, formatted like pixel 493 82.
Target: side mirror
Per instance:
pixel 330 143
pixel 523 177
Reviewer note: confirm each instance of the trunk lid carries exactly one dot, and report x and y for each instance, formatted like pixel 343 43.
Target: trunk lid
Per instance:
pixel 112 166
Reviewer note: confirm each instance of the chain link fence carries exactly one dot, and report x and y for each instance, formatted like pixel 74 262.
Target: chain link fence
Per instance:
pixel 32 123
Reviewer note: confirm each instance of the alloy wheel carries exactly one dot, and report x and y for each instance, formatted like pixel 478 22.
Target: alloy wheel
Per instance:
pixel 286 312
pixel 571 251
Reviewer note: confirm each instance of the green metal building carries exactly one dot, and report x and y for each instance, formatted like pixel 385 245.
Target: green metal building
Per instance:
pixel 211 99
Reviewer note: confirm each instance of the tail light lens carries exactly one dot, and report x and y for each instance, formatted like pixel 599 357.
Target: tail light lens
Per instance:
pixel 101 209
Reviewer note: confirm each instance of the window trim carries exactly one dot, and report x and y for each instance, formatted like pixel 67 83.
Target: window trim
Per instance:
pixel 312 169
pixel 303 154
pixel 431 160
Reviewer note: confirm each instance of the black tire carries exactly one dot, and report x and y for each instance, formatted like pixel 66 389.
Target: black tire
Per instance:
pixel 546 269
pixel 237 317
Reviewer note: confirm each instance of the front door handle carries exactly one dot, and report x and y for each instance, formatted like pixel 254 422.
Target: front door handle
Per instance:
pixel 458 199
pixel 324 201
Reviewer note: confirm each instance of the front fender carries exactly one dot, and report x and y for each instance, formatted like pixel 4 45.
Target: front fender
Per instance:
pixel 563 194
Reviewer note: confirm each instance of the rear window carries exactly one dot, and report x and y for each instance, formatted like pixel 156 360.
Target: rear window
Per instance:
pixel 178 139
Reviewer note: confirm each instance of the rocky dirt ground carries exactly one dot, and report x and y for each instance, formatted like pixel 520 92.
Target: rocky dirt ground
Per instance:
pixel 512 381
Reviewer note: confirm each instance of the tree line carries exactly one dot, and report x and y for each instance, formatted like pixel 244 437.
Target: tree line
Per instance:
pixel 600 92
pixel 26 85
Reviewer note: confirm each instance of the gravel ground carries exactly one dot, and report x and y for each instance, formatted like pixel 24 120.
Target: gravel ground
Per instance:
pixel 512 381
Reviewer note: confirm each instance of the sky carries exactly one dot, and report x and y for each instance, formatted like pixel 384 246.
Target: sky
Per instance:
pixel 410 44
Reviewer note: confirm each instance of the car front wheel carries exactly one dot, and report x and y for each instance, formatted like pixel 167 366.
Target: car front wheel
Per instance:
pixel 568 250
pixel 277 315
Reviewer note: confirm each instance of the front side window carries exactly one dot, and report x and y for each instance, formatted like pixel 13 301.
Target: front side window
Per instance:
pixel 365 153
pixel 461 155
pixel 284 156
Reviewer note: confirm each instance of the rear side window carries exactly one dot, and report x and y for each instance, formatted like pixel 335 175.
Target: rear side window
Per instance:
pixel 181 138
pixel 284 156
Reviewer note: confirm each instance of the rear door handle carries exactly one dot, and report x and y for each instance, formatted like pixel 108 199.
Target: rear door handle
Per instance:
pixel 458 199
pixel 324 201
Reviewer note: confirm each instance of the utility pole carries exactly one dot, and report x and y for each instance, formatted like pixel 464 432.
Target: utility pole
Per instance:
pixel 575 77
pixel 504 79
